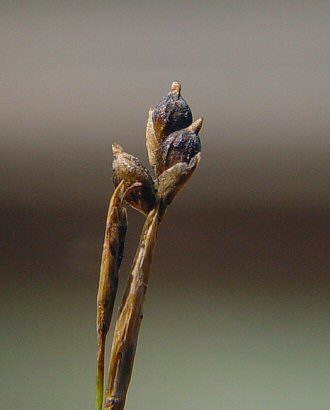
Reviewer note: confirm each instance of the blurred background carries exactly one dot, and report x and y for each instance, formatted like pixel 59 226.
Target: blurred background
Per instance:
pixel 237 311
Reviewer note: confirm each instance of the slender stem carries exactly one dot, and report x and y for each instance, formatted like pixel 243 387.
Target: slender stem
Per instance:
pixel 112 254
pixel 130 315
pixel 100 371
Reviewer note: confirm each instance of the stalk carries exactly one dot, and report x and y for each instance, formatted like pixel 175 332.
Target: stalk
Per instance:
pixel 131 314
pixel 113 248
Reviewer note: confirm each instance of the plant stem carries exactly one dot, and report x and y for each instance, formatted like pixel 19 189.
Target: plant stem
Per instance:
pixel 130 314
pixel 113 248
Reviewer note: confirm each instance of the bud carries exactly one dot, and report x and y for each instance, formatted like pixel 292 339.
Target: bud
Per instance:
pixel 180 146
pixel 171 114
pixel 173 143
pixel 180 153
pixel 139 186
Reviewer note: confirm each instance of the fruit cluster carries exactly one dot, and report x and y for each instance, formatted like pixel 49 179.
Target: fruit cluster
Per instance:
pixel 173 146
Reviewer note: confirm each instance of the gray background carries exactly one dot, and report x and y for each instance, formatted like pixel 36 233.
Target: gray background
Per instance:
pixel 237 312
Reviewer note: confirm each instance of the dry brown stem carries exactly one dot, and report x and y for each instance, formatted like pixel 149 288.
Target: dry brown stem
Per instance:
pixel 112 254
pixel 130 316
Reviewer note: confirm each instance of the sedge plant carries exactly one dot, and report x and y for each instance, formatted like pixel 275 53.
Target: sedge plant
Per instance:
pixel 173 145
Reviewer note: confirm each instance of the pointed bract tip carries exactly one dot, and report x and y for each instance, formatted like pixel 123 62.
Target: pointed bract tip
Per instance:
pixel 117 149
pixel 196 125
pixel 176 88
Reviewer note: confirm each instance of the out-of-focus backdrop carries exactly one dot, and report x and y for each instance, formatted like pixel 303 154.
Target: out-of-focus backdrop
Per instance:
pixel 237 311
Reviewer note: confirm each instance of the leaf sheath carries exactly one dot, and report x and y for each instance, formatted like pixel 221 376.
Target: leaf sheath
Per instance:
pixel 113 248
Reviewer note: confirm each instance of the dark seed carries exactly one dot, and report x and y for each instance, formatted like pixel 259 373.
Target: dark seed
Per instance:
pixel 180 146
pixel 172 113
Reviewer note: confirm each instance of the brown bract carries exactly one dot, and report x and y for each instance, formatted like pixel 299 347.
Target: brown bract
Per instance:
pixel 140 191
pixel 173 179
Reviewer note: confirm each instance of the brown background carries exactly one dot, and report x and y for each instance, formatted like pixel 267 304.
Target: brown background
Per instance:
pixel 237 313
